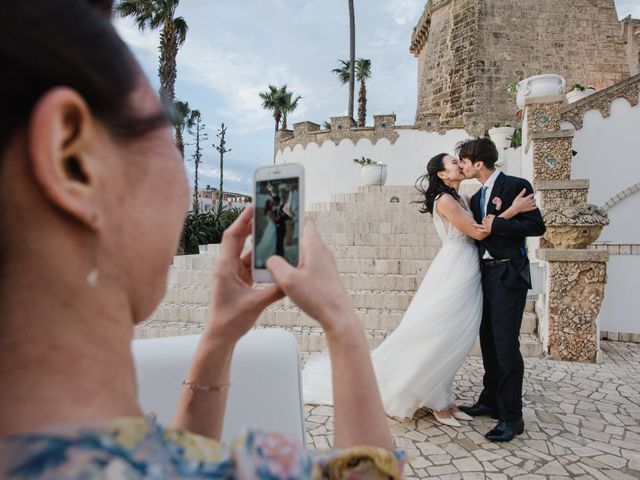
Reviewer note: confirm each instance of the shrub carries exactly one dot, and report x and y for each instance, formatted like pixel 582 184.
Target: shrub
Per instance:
pixel 206 228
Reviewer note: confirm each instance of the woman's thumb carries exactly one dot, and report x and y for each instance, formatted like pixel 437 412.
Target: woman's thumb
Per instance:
pixel 281 270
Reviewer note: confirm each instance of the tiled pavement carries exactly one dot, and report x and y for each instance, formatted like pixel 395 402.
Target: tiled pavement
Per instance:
pixel 582 421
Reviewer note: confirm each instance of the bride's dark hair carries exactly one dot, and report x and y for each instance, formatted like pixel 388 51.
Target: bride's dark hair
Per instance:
pixel 435 185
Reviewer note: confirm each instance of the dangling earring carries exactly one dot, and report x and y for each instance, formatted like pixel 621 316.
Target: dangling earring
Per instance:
pixel 92 276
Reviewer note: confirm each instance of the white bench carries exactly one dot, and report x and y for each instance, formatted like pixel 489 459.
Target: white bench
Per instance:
pixel 266 389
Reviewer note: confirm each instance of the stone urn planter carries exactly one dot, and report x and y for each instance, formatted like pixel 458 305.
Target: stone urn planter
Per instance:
pixel 539 86
pixel 575 95
pixel 374 174
pixel 574 227
pixel 501 136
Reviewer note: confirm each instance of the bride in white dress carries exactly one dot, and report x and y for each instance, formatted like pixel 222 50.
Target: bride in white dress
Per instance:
pixel 415 366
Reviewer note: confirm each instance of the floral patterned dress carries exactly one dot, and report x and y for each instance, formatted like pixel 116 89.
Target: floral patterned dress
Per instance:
pixel 139 448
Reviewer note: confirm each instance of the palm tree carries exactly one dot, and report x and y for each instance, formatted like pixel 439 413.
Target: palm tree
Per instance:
pixel 271 100
pixel 343 71
pixel 352 56
pixel 281 101
pixel 363 73
pixel 155 14
pixel 182 118
pixel 288 104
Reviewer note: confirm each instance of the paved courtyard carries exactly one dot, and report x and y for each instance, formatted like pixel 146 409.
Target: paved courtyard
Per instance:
pixel 581 421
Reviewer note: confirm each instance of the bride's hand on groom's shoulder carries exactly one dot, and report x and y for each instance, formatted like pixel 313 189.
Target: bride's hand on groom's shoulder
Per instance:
pixel 315 286
pixel 524 203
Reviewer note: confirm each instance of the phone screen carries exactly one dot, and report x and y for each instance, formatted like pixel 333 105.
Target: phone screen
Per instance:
pixel 276 220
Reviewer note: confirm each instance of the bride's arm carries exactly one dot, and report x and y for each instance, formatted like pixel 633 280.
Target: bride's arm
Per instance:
pixel 449 208
pixel 521 204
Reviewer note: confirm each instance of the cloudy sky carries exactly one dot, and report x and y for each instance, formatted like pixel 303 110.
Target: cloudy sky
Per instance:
pixel 234 49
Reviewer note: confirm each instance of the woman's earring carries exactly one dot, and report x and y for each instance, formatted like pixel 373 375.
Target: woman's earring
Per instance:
pixel 92 276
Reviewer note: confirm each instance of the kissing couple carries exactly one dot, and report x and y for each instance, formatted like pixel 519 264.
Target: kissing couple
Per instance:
pixel 477 284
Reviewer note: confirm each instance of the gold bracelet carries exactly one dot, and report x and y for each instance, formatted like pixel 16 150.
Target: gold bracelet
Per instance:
pixel 197 387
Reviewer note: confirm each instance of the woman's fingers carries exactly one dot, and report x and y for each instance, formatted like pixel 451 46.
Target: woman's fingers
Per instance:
pixel 234 237
pixel 283 273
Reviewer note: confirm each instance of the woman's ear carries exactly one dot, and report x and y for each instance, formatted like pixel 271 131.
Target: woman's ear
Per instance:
pixel 59 139
pixel 442 175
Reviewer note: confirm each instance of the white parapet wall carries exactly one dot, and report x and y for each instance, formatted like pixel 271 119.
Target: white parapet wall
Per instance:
pixel 329 167
pixel 606 142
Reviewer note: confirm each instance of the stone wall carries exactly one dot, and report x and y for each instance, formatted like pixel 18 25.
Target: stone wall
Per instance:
pixel 631 34
pixel 446 71
pixel 475 48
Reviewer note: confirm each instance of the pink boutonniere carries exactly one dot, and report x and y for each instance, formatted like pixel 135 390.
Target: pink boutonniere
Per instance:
pixel 497 202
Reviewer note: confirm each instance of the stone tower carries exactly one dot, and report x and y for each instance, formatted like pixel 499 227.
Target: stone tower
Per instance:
pixel 470 50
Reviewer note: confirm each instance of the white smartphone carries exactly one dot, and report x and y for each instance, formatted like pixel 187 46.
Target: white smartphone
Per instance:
pixel 278 195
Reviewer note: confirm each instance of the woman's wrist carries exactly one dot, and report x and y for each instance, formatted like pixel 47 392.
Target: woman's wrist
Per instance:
pixel 343 325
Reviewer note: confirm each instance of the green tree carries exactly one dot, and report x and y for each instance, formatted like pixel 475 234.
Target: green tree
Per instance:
pixel 362 74
pixel 282 102
pixel 352 56
pixel 181 121
pixel 197 132
pixel 221 148
pixel 154 14
pixel 288 105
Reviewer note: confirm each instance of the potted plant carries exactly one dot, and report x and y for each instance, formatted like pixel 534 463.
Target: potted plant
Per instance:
pixel 372 172
pixel 501 135
pixel 579 91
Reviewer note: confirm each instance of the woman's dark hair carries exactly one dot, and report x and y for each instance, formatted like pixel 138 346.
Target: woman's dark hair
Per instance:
pixel 435 185
pixel 45 44
pixel 267 206
pixel 481 149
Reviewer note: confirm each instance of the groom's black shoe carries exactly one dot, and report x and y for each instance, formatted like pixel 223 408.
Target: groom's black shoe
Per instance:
pixel 505 431
pixel 479 410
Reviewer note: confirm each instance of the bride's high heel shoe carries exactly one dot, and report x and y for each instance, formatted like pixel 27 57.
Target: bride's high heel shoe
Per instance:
pixel 460 415
pixel 450 421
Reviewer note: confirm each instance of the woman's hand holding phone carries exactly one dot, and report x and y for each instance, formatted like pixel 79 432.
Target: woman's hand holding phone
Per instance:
pixel 235 304
pixel 315 286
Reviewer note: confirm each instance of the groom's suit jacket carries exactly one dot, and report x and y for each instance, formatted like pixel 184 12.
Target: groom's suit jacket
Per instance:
pixel 507 239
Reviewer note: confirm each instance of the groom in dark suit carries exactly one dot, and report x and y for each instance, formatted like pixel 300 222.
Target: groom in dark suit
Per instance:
pixel 505 281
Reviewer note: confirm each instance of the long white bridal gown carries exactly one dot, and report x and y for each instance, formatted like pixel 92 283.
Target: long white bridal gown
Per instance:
pixel 415 366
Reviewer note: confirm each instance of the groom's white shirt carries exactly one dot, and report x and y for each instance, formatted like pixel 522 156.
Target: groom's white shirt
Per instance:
pixel 489 184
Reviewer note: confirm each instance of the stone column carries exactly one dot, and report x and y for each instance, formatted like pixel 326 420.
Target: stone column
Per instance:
pixel 574 293
pixel 575 277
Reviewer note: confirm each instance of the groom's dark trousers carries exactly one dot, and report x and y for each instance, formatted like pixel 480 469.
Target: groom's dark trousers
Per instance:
pixel 505 281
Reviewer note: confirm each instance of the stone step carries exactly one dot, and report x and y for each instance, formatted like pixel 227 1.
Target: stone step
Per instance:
pixel 372 216
pixel 374 266
pixel 383 239
pixel 378 197
pixel 390 300
pixel 202 261
pixel 377 207
pixel 385 188
pixel 347 266
pixel 311 338
pixel 379 319
pixel 285 314
pixel 387 228
pixel 383 253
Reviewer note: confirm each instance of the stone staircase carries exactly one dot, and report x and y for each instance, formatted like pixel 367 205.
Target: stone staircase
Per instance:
pixel 383 247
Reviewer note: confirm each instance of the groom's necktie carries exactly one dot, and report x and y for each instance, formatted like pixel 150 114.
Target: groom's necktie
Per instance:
pixel 483 202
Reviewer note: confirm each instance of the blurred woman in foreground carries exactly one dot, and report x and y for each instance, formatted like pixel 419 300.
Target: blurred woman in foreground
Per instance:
pixel 93 195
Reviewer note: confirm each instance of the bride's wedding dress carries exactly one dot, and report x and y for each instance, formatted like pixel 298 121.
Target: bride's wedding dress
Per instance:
pixel 415 366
